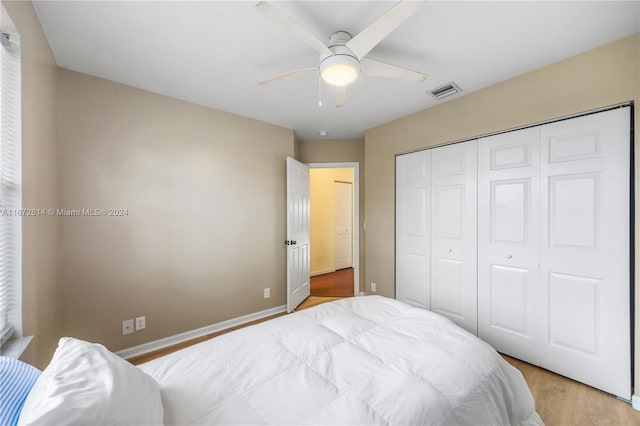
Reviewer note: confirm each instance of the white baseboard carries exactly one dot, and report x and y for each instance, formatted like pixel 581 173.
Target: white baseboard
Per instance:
pixel 635 402
pixel 322 272
pixel 198 332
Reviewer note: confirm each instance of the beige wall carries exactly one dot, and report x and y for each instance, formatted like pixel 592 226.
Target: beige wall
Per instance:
pixel 296 147
pixel 323 216
pixel 341 151
pixel 205 193
pixel 40 302
pixel 332 151
pixel 600 77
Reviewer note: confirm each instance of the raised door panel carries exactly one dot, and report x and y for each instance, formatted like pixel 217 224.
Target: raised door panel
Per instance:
pixel 508 224
pixel 574 145
pixel 568 195
pixel 574 300
pixel 585 249
pixel 510 204
pixel 510 156
pixel 450 211
pixel 299 258
pixel 451 161
pixel 453 233
pixel 447 289
pixel 413 254
pixel 414 211
pixel 509 289
pixel 413 273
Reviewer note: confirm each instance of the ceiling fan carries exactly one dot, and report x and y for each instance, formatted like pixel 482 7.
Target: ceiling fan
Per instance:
pixel 344 59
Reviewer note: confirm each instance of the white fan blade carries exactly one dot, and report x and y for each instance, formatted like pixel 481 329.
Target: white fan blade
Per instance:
pixel 288 75
pixel 380 69
pixel 368 38
pixel 341 96
pixel 278 16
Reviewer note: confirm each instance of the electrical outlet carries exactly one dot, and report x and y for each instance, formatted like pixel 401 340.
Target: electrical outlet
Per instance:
pixel 267 293
pixel 127 327
pixel 373 288
pixel 141 322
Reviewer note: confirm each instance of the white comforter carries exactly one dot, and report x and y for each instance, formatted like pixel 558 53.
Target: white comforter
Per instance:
pixel 363 360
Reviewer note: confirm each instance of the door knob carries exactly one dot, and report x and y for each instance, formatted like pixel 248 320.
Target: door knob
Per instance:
pixel 509 256
pixel 450 250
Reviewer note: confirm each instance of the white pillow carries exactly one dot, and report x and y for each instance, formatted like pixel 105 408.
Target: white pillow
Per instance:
pixel 86 384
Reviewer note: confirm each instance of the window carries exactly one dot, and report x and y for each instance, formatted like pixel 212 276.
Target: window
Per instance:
pixel 10 181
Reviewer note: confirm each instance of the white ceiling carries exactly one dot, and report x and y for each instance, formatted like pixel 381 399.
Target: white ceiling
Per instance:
pixel 214 53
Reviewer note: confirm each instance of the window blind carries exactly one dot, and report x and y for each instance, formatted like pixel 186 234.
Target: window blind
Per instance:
pixel 10 179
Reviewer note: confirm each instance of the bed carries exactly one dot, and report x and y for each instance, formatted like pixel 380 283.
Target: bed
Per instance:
pixel 362 360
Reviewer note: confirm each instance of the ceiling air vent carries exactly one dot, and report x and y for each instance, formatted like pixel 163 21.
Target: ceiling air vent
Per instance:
pixel 445 91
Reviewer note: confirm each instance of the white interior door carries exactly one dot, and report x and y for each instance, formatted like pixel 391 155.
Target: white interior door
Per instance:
pixel 343 225
pixel 453 233
pixel 585 249
pixel 413 254
pixel 508 243
pixel 297 242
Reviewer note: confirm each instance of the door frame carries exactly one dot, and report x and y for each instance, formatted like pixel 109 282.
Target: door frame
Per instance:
pixel 356 214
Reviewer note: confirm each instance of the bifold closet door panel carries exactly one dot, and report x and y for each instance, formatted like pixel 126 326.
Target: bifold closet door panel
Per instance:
pixel 585 249
pixel 454 233
pixel 413 255
pixel 508 243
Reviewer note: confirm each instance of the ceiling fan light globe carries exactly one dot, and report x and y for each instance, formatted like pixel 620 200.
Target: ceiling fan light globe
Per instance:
pixel 340 70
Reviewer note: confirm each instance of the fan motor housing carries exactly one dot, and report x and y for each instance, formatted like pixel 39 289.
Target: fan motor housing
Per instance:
pixel 338 38
pixel 341 68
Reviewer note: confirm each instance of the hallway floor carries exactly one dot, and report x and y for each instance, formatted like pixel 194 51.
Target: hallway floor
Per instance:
pixel 335 284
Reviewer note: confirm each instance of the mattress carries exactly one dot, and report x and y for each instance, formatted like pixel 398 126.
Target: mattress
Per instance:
pixel 362 360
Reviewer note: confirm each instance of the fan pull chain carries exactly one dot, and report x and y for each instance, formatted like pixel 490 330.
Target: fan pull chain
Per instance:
pixel 319 90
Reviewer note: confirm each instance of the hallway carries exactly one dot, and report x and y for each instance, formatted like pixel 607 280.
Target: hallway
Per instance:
pixel 336 284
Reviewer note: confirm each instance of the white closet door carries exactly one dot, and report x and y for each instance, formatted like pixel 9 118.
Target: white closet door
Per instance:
pixel 413 256
pixel 508 243
pixel 453 233
pixel 585 249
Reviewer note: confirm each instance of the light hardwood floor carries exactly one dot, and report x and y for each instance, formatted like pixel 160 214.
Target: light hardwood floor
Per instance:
pixel 559 401
pixel 312 301
pixel 565 402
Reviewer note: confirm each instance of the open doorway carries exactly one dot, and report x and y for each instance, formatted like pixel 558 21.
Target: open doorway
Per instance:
pixel 334 229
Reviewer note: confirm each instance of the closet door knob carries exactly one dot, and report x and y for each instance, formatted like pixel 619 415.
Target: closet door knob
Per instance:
pixel 509 256
pixel 450 250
